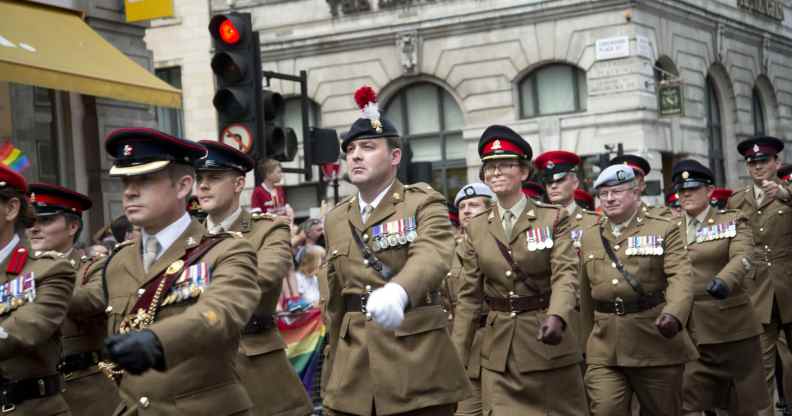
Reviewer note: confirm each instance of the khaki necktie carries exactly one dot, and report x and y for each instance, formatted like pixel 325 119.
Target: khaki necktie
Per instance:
pixel 759 197
pixel 508 223
pixel 692 228
pixel 367 213
pixel 150 253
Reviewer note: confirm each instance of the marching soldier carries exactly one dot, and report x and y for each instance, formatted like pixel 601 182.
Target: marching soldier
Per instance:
pixel 728 374
pixel 518 258
pixel 57 228
pixel 558 170
pixel 35 290
pixel 635 280
pixel 221 178
pixel 767 204
pixel 178 297
pixel 641 168
pixel 471 200
pixel 389 248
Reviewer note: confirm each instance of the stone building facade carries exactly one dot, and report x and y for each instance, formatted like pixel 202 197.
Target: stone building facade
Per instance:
pixel 569 74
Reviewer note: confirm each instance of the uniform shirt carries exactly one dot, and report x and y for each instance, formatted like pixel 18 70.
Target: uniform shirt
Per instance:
pixel 516 211
pixel 570 209
pixel 168 235
pixel 9 248
pixel 693 226
pixel 225 224
pixel 758 195
pixel 617 228
pixel 373 203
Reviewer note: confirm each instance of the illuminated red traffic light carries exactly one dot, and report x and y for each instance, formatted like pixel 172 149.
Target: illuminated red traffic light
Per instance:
pixel 228 32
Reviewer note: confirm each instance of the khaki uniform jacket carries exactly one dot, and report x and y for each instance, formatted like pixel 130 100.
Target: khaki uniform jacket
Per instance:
pixel 266 361
pixel 771 224
pixel 33 346
pixel 487 273
pixel 580 220
pixel 718 321
pixel 414 366
pixel 88 392
pixel 199 336
pixel 633 340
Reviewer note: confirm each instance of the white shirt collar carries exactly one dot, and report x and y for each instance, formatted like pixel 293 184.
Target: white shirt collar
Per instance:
pixel 376 201
pixel 224 225
pixel 169 234
pixel 570 209
pixel 6 251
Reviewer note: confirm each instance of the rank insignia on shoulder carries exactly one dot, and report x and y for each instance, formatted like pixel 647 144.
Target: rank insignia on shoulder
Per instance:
pixel 17 292
pixel 190 285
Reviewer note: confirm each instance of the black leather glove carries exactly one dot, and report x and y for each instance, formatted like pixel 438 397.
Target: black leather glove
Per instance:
pixel 718 289
pixel 552 330
pixel 136 352
pixel 668 325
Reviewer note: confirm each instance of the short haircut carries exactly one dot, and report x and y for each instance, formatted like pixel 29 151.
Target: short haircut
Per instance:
pixel 267 166
pixel 120 227
pixel 177 171
pixel 71 217
pixel 26 217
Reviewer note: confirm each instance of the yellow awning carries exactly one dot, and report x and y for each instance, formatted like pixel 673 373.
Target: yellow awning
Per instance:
pixel 52 48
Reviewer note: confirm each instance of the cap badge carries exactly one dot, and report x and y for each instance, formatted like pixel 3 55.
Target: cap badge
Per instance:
pixel 685 175
pixel 620 175
pixel 550 165
pixel 496 145
pixel 756 148
pixel 175 267
pixel 376 124
pixel 33 197
pixel 127 150
pixel 469 191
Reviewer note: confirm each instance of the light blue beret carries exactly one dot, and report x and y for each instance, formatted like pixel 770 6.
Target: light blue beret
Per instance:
pixel 473 190
pixel 614 175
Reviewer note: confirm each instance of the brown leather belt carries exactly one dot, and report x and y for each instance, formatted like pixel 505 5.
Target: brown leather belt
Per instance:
pixel 259 323
pixel 13 393
pixel 79 361
pixel 620 307
pixel 354 302
pixel 518 304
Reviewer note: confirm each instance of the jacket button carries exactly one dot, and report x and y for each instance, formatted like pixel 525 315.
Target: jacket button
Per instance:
pixel 365 237
pixel 508 273
pixel 616 247
pixel 144 402
pixel 759 212
pixel 761 230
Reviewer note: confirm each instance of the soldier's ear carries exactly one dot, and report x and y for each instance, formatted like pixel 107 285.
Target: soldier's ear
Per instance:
pixel 396 155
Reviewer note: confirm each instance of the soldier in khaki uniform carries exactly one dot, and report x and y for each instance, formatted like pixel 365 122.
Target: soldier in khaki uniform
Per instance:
pixel 261 358
pixel 471 200
pixel 673 205
pixel 728 374
pixel 558 170
pixel 35 290
pixel 58 225
pixel 767 204
pixel 518 258
pixel 390 246
pixel 635 280
pixel 178 297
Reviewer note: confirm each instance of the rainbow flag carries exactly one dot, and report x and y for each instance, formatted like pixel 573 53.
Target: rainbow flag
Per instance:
pixel 13 157
pixel 304 340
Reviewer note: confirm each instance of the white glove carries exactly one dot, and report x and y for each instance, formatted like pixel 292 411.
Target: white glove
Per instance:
pixel 386 305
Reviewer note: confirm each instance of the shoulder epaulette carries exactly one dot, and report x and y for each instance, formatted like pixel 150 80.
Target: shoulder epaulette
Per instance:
pixel 547 205
pixel 656 217
pixel 123 244
pixel 419 186
pixel 486 211
pixel 343 201
pixel 256 216
pixel 227 234
pixel 48 254
pixel 590 212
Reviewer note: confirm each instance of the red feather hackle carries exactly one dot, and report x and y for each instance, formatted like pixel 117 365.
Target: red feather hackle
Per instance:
pixel 365 95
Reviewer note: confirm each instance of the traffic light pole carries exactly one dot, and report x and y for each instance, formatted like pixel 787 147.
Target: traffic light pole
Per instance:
pixel 303 80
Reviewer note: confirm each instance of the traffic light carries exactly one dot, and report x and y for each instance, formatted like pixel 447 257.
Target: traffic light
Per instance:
pixel 280 142
pixel 237 67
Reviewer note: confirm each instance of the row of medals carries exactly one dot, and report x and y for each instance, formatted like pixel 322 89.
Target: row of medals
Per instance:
pixel 14 303
pixel 717 231
pixel 539 238
pixel 644 245
pixel 396 238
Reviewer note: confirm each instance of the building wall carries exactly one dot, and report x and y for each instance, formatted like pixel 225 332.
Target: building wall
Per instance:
pixel 479 50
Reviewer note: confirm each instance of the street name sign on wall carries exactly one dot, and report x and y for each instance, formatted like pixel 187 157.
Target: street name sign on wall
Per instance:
pixel 612 48
pixel 138 10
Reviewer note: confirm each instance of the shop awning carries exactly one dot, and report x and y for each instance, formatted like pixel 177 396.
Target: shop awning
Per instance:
pixel 53 48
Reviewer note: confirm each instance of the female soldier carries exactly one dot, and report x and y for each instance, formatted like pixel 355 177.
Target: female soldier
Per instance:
pixel 35 289
pixel 520 260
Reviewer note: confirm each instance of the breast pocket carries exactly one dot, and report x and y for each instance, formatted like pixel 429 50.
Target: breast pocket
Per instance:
pixel 594 263
pixel 338 258
pixel 117 311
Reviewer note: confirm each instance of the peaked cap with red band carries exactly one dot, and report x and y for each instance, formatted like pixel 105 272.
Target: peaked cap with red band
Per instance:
pixel 720 196
pixel 501 142
pixel 555 164
pixel 785 173
pixel 138 151
pixel 48 199
pixel 672 200
pixel 11 179
pixel 584 199
pixel 533 190
pixel 637 163
pixel 760 148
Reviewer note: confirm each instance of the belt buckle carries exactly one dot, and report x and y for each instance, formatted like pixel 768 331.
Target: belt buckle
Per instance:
pixel 618 306
pixel 512 306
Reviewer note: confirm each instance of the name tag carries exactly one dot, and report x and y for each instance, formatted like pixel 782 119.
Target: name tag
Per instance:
pixel 190 284
pixel 17 292
pixel 644 245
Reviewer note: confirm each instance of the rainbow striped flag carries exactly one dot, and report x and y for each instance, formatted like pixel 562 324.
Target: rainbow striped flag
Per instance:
pixel 304 340
pixel 13 157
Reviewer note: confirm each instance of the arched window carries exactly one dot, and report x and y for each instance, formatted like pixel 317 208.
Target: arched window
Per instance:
pixel 553 89
pixel 758 112
pixel 714 131
pixel 430 120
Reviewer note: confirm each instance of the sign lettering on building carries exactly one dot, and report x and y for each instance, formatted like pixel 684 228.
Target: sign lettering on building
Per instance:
pixel 671 99
pixel 138 10
pixel 612 48
pixel 773 9
pixel 348 7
